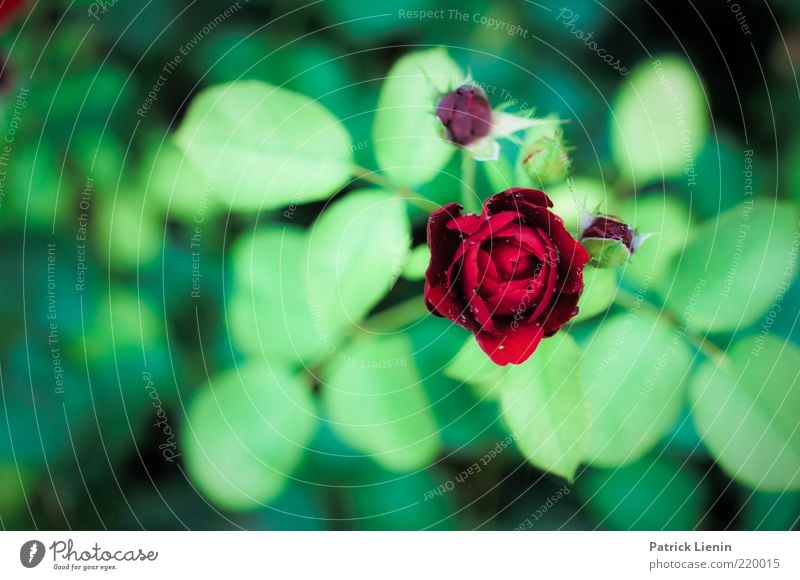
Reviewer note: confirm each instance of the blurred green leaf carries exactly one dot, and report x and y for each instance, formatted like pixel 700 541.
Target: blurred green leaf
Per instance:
pixel 92 101
pixel 237 54
pixel 633 369
pixel 269 309
pixel 722 175
pixel 174 186
pixel 469 421
pixel 647 495
pixel 791 169
pixel 409 142
pixel 100 157
pixel 123 321
pixel 264 147
pixel 733 268
pixel 747 413
pixel 384 501
pixel 375 402
pixel 417 263
pixel 365 23
pixel 357 249
pixel 659 121
pixel 543 404
pixel 600 288
pixel 668 220
pixel 473 367
pixel 36 192
pixel 13 491
pixel 246 433
pixel 128 235
pixel 771 511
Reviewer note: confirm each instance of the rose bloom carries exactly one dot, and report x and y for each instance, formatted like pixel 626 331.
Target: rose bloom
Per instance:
pixel 511 276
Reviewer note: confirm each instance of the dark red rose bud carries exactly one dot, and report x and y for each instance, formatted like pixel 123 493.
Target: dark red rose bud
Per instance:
pixel 512 275
pixel 610 228
pixel 609 241
pixel 465 114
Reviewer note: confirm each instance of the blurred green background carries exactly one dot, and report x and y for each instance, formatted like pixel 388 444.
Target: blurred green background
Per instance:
pixel 118 312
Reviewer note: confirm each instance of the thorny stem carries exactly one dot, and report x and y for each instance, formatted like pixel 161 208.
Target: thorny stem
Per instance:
pixel 405 193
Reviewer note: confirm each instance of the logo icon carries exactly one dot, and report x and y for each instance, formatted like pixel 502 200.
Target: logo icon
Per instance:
pixel 31 553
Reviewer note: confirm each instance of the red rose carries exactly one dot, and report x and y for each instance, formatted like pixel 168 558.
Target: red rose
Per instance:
pixel 512 275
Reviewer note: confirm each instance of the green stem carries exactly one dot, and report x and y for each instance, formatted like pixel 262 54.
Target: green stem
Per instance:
pixel 708 349
pixel 405 193
pixel 468 194
pixel 373 177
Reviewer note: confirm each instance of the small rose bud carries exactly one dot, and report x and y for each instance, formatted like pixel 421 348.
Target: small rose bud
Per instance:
pixel 544 156
pixel 609 241
pixel 465 114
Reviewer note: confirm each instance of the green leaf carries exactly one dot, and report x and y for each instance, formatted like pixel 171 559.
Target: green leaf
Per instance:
pixel 668 220
pixel 409 142
pixel 543 405
pixel 633 368
pixel 375 401
pixel 747 413
pixel 733 268
pixel 381 501
pixel 417 263
pixel 264 147
pixel 128 234
pixel 771 511
pixel 660 120
pixel 175 186
pixel 600 288
pixel 468 419
pixel 646 495
pixel 35 190
pixel 473 367
pixel 269 307
pixel 357 249
pixel 246 433
pixel 17 481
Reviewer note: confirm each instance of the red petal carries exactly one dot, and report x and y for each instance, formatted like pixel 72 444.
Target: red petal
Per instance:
pixel 512 348
pixel 572 258
pixel 561 312
pixel 465 224
pixel 442 242
pixel 532 240
pixel 444 304
pixel 516 199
